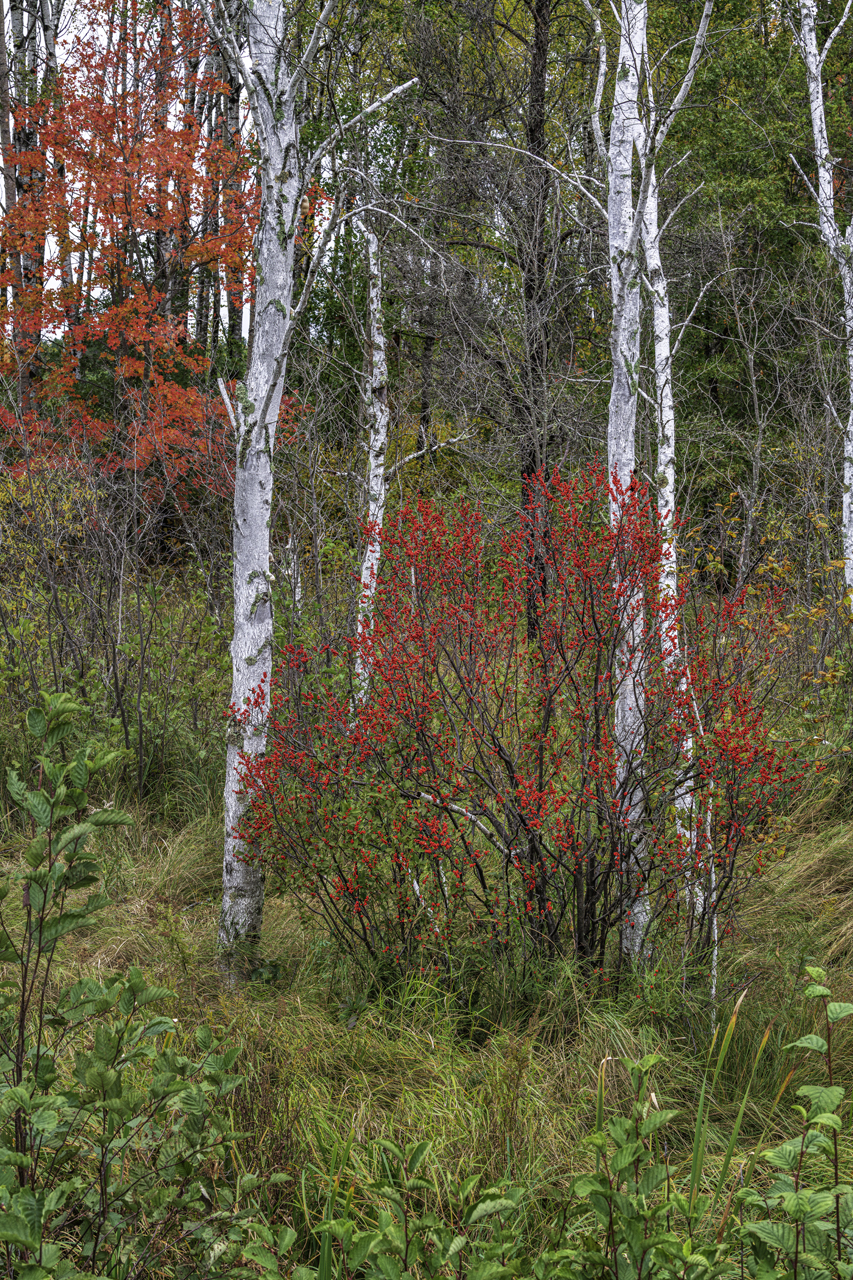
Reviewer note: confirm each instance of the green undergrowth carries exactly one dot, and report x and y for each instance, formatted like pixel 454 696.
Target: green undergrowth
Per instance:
pixel 513 1100
pixel 333 1071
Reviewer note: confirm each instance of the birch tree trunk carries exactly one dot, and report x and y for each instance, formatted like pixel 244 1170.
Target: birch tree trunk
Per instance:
pixel 273 77
pixel 624 222
pixel 664 404
pixel 272 99
pixel 636 131
pixel 378 417
pixel 699 893
pixel 838 243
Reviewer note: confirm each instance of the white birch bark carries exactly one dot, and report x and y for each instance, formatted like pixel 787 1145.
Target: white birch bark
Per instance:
pixel 636 131
pixel 664 403
pixel 375 394
pixel 665 477
pixel 623 225
pixel 839 244
pixel 624 222
pixel 274 83
pixel 272 96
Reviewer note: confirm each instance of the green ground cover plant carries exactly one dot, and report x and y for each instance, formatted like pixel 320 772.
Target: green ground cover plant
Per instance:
pixel 114 1141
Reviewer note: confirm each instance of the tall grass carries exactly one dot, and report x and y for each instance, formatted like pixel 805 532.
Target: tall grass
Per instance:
pixel 515 1099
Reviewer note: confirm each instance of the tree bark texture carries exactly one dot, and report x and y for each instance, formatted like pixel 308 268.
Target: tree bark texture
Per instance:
pixel 623 224
pixel 378 418
pixel 838 243
pixel 273 102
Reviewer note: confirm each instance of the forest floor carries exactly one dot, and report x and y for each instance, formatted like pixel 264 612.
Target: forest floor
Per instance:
pixel 514 1100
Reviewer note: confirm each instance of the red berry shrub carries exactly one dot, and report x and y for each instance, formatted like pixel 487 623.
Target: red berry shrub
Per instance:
pixel 471 805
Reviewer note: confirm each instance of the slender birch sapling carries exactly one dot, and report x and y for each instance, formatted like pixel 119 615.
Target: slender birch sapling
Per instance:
pixel 839 244
pixel 273 77
pixel 637 132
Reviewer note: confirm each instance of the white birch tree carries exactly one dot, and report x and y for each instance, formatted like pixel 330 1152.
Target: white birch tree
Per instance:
pixel 256 40
pixel 375 397
pixel 637 133
pixel 839 244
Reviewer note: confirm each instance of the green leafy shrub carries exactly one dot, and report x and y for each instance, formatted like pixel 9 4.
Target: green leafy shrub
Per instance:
pixel 114 1150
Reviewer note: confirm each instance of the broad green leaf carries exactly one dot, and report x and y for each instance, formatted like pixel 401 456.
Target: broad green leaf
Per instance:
pixel 18 1096
pixel 30 1271
pixel 784 1157
pixel 483 1208
pixel 264 1257
pixel 286 1238
pixel 31 1208
pixel 17 790
pixel 17 1159
pixel 813 990
pixel 58 733
pixel 823 1097
pixel 46 1071
pixel 652 1179
pixel 67 923
pixel 814 1140
pixel 360 1248
pixel 392 1150
pixel 110 818
pixel 846 1210
pixel 71 835
pixel 157 1026
pixel 387 1265
pixel 490 1269
pixel 154 993
pixel 38 806
pixel 35 851
pixel 16 1230
pixel 126 1002
pixel 78 771
pixel 456 1245
pixel 797 1204
pixel 820 1203
pixel 809 1042
pixel 836 1010
pixel 51 1255
pixel 777 1234
pixel 36 722
pixel 340 1228
pixel 828 1118
pixel 588 1183
pixel 626 1156
pixel 203 1036
pixel 645 1064
pixel 416 1157
pixel 655 1120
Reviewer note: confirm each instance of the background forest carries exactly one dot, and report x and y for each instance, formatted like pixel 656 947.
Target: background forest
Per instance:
pixel 429 427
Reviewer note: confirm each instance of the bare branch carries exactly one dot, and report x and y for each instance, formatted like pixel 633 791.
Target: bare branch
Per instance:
pixel 338 133
pixel 682 328
pixel 599 86
pixel 422 453
pixel 302 67
pixel 226 400
pixel 831 39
